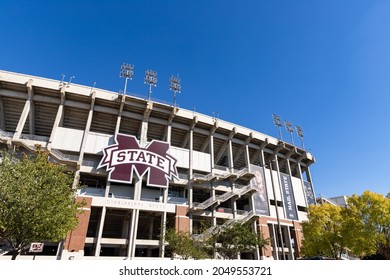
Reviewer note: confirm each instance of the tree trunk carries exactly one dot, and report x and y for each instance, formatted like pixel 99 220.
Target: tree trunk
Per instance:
pixel 15 253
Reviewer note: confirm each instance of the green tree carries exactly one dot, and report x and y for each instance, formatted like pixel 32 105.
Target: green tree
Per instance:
pixel 322 232
pixel 237 238
pixel 181 244
pixel 37 201
pixel 367 224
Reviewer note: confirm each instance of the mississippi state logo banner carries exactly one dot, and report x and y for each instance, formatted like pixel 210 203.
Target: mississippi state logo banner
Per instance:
pixel 125 157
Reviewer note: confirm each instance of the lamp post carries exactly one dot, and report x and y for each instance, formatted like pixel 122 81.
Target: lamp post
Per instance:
pixel 278 123
pixel 126 72
pixel 174 85
pixel 299 131
pixel 276 209
pixel 151 80
pixel 290 129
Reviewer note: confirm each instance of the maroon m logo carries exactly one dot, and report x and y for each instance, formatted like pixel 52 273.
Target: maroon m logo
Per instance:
pixel 126 156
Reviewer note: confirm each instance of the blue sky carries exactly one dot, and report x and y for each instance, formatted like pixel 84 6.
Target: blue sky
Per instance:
pixel 323 65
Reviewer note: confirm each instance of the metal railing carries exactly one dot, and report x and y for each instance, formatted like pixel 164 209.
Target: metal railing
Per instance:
pixel 6 134
pixel 34 137
pixel 60 155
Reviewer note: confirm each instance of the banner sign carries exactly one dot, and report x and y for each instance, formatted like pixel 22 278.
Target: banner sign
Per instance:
pixel 288 194
pixel 309 193
pixel 126 156
pixel 260 197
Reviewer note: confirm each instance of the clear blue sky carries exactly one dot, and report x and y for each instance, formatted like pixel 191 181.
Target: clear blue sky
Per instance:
pixel 323 65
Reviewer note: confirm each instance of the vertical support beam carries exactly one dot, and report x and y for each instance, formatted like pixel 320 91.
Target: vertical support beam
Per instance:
pixel 2 115
pixel 86 130
pixel 145 122
pixel 191 166
pixel 25 112
pixel 100 232
pixel 310 180
pixel 168 129
pixel 58 120
pixel 302 182
pixel 163 225
pixel 288 240
pixel 30 92
pixel 275 246
pixel 254 229
pixel 212 163
pixel 118 120
pixel 230 150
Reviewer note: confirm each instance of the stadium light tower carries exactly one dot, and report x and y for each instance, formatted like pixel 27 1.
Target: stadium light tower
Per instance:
pixel 299 131
pixel 174 85
pixel 290 129
pixel 151 80
pixel 126 72
pixel 278 123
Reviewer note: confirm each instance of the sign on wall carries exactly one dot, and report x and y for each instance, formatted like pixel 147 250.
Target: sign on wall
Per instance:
pixel 125 157
pixel 260 197
pixel 36 247
pixel 288 195
pixel 309 193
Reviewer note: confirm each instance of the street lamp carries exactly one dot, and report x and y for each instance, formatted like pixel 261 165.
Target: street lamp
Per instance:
pixel 276 207
pixel 290 129
pixel 151 80
pixel 300 134
pixel 174 85
pixel 278 123
pixel 127 71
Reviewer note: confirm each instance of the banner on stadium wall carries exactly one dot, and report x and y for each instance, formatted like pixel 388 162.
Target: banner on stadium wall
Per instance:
pixel 125 157
pixel 309 193
pixel 260 197
pixel 288 194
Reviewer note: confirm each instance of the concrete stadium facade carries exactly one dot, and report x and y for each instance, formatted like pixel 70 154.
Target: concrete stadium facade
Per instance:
pixel 208 172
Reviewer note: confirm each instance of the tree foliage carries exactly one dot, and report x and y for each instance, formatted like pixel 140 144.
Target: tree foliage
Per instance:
pixel 362 227
pixel 37 200
pixel 235 239
pixel 322 232
pixel 228 242
pixel 181 244
pixel 367 224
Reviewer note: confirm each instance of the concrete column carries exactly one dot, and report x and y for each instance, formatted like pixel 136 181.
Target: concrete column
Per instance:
pixel 190 197
pixel 118 121
pixel 274 243
pixel 302 183
pixel 257 250
pixel 86 130
pixel 100 232
pixel 230 156
pixel 287 237
pixel 31 115
pixel 2 115
pixel 163 224
pixel 58 120
pixel 25 112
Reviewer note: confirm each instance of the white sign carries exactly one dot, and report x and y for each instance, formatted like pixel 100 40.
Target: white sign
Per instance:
pixel 36 248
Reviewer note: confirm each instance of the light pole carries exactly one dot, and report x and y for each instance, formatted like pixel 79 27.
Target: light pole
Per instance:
pixel 299 131
pixel 278 123
pixel 126 72
pixel 276 209
pixel 151 80
pixel 290 129
pixel 174 85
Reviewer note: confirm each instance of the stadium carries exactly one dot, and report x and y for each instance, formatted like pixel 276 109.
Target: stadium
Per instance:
pixel 146 165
